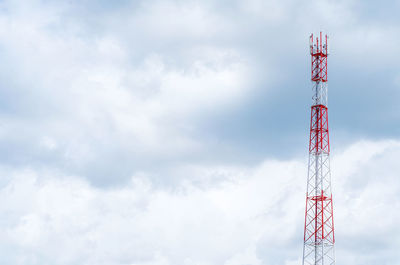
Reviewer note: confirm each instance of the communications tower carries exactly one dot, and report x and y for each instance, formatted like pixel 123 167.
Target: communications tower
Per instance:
pixel 319 236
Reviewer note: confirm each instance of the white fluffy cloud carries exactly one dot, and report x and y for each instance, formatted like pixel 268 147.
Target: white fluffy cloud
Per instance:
pixel 106 159
pixel 252 216
pixel 81 99
pixel 120 89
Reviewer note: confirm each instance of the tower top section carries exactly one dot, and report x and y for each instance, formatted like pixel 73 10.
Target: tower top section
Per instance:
pixel 319 59
pixel 319 45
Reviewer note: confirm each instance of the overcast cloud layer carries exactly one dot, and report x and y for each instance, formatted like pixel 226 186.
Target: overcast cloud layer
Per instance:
pixel 175 132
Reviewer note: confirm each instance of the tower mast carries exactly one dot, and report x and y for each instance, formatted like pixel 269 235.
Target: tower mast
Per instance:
pixel 319 237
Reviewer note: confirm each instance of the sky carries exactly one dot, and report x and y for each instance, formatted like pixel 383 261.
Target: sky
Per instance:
pixel 175 132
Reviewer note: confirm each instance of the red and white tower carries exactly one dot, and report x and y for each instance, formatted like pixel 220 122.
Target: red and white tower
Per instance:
pixel 319 237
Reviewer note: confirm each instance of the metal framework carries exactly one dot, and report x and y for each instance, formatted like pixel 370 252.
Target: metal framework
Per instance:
pixel 319 236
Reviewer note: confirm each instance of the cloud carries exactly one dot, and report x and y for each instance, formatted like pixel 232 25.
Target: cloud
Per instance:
pixel 97 99
pixel 100 89
pixel 253 216
pixel 168 132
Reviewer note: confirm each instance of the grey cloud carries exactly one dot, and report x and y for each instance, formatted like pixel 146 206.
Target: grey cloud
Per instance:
pixel 147 123
pixel 139 86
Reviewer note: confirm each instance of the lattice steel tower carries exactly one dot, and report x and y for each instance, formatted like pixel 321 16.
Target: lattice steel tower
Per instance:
pixel 319 238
